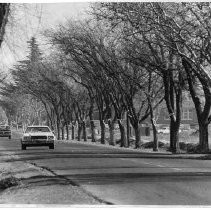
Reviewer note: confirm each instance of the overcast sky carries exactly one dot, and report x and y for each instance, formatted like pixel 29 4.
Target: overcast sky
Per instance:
pixel 29 20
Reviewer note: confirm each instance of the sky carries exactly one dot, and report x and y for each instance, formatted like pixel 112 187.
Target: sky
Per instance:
pixel 29 20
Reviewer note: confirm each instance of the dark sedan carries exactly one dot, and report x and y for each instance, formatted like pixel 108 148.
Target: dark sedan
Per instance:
pixel 5 131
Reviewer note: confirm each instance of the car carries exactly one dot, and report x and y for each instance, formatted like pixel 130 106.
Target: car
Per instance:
pixel 38 136
pixel 5 131
pixel 164 130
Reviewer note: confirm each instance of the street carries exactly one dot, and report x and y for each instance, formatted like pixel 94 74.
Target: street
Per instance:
pixel 119 176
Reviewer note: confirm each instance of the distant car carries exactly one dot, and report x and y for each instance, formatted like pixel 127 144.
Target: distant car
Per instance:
pixel 38 136
pixel 164 130
pixel 5 131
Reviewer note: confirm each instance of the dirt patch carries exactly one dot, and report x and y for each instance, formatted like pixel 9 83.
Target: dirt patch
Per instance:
pixel 53 194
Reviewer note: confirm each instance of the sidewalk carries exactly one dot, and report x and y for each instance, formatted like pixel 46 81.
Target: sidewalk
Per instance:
pixel 39 186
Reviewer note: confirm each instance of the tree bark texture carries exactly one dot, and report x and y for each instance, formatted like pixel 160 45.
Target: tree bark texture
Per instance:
pixel 67 132
pixel 122 129
pixel 102 126
pixel 203 137
pixel 79 131
pixel 73 132
pixel 111 132
pixel 128 130
pixel 58 129
pixel 92 124
pixel 137 136
pixel 84 130
pixel 174 113
pixel 174 137
pixel 62 129
pixel 93 135
pixel 155 136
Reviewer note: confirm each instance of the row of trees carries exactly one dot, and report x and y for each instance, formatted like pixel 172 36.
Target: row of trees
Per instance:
pixel 123 62
pixel 176 42
pixel 21 110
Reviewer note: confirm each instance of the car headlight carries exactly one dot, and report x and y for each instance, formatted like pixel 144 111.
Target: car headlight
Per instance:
pixel 26 138
pixel 50 137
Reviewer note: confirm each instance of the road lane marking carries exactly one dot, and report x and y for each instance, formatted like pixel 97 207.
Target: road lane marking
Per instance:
pixel 150 163
pixel 160 165
pixel 177 169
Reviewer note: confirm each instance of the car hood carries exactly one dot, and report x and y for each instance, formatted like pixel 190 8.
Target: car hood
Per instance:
pixel 39 134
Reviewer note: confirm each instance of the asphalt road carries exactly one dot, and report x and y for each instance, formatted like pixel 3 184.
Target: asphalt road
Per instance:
pixel 119 176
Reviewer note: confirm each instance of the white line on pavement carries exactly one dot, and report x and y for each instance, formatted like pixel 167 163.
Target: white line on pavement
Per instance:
pixel 150 163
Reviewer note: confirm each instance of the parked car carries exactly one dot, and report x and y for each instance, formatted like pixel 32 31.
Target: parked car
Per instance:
pixel 38 136
pixel 5 131
pixel 164 130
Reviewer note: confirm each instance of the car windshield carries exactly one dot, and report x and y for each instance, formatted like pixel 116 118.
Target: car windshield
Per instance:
pixel 37 129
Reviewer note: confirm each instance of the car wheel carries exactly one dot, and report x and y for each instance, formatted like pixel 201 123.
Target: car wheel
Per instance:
pixel 9 137
pixel 23 147
pixel 51 147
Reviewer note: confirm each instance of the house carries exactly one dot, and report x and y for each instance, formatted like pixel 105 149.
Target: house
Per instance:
pixel 188 118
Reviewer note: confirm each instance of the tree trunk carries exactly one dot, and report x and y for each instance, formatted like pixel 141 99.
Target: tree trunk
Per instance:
pixel 92 124
pixel 128 130
pixel 174 137
pixel 102 126
pixel 84 130
pixel 203 111
pixel 171 92
pixel 203 137
pixel 67 132
pixel 111 132
pixel 137 136
pixel 93 135
pixel 124 142
pixel 58 129
pixel 79 131
pixel 62 132
pixel 73 132
pixel 155 136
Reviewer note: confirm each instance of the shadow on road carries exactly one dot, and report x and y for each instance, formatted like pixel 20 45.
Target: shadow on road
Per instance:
pixel 46 154
pixel 47 180
pixel 111 178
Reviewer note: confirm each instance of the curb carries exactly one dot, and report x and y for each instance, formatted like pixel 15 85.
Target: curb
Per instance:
pixel 144 154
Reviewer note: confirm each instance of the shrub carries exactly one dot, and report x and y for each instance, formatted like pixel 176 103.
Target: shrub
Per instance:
pixel 193 148
pixel 189 147
pixel 149 145
pixel 9 182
